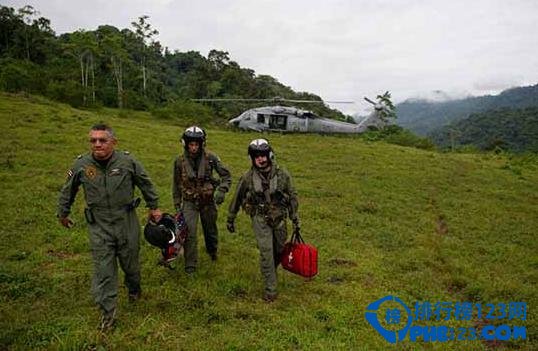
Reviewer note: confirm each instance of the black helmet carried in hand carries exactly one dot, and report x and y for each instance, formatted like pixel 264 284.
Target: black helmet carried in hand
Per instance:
pixel 260 147
pixel 193 133
pixel 162 233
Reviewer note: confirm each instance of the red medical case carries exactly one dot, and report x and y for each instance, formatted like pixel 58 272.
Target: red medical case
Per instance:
pixel 300 258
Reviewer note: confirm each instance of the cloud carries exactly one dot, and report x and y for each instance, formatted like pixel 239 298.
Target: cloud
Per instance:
pixel 496 84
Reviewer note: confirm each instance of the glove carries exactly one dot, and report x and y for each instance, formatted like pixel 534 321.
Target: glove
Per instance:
pixel 230 226
pixel 66 222
pixel 219 197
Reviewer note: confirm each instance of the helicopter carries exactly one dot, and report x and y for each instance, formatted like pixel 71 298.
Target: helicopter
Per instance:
pixel 280 118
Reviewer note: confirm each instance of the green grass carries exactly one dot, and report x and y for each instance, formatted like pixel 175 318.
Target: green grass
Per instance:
pixel 421 225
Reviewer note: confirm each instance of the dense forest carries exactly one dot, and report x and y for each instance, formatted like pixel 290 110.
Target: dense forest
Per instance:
pixel 515 130
pixel 424 117
pixel 127 68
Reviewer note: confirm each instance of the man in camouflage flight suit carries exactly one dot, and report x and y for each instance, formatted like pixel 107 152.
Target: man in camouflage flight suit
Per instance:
pixel 267 195
pixel 196 193
pixel 108 178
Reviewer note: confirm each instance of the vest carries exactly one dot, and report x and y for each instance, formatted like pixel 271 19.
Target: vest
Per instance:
pixel 271 203
pixel 197 186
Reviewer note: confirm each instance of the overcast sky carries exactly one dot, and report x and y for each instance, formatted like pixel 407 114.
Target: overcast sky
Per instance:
pixel 340 50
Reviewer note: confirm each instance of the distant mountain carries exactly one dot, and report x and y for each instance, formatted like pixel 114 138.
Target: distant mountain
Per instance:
pixel 424 116
pixel 510 129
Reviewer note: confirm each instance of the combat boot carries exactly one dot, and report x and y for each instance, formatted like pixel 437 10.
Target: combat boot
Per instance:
pixel 107 320
pixel 190 270
pixel 135 296
pixel 270 297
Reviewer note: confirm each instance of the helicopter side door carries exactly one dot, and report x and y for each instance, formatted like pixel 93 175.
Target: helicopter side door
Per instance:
pixel 278 122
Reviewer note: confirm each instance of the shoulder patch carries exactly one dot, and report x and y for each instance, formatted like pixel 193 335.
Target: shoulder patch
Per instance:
pixel 69 173
pixel 127 152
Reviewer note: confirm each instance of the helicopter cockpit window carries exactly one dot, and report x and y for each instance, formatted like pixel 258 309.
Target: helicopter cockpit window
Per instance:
pixel 261 118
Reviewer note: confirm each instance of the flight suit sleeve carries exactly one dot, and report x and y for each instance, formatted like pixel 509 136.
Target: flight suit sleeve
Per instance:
pixel 176 184
pixel 293 202
pixel 68 192
pixel 224 173
pixel 144 183
pixel 237 199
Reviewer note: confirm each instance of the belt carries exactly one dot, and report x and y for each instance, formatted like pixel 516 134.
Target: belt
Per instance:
pixel 128 207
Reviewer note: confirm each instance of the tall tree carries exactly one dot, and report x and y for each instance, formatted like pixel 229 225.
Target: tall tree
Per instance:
pixel 83 45
pixel 144 33
pixel 27 14
pixel 111 42
pixel 218 59
pixel 10 23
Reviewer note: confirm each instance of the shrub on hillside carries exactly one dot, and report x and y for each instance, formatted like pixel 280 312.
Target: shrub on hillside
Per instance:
pixel 17 76
pixel 68 92
pixel 407 138
pixel 397 135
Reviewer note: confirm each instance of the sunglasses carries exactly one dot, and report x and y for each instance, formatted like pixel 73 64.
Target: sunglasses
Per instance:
pixel 100 140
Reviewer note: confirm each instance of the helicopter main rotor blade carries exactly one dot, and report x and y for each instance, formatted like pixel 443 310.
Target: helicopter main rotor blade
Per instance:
pixel 255 100
pixel 276 99
pixel 301 101
pixel 340 102
pixel 318 101
pixel 208 100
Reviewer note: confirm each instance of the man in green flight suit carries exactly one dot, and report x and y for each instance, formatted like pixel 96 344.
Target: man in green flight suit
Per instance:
pixel 267 195
pixel 108 178
pixel 197 193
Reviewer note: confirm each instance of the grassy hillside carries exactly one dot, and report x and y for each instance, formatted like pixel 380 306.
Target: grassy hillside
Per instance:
pixel 416 224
